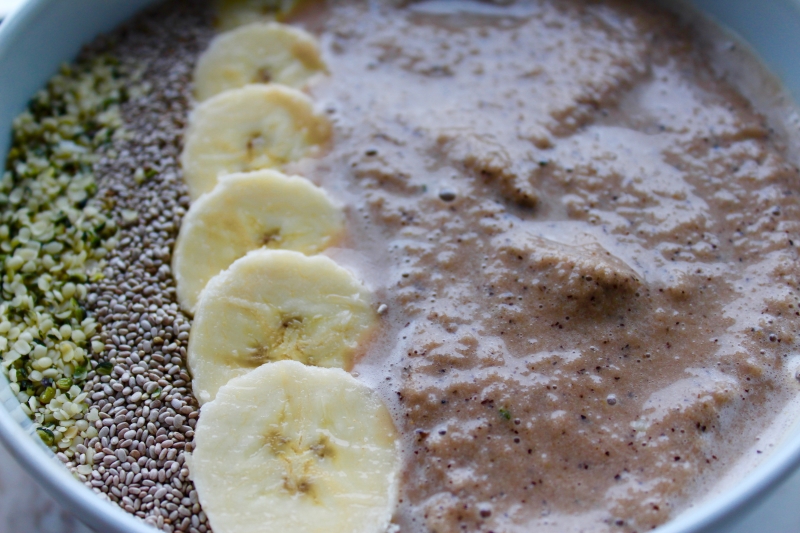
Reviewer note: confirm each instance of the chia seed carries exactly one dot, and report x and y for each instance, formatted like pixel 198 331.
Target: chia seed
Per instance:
pixel 139 381
pixel 446 195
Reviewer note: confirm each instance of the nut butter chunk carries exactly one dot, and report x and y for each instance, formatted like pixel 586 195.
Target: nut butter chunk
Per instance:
pixel 487 159
pixel 582 272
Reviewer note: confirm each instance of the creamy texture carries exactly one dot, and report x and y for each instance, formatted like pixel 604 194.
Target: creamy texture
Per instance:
pixel 585 241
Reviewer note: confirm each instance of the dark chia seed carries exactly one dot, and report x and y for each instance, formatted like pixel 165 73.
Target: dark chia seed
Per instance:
pixel 147 411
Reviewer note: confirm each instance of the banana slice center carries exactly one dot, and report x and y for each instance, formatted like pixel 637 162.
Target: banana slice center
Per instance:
pixel 288 342
pixel 293 342
pixel 300 459
pixel 271 238
pixel 263 75
pixel 256 146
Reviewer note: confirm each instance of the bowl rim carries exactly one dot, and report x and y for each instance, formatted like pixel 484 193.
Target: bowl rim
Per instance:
pixel 28 450
pixel 102 515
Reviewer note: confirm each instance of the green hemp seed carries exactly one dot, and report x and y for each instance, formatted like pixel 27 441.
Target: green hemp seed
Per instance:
pixel 54 235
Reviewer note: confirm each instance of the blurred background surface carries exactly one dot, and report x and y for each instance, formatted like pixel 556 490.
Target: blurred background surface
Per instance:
pixel 25 507
pixel 8 5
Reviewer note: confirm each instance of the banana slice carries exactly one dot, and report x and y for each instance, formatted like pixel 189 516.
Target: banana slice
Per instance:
pixel 244 212
pixel 295 448
pixel 234 13
pixel 250 128
pixel 257 53
pixel 272 305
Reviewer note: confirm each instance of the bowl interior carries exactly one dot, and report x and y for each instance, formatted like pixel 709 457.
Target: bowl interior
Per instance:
pixel 36 39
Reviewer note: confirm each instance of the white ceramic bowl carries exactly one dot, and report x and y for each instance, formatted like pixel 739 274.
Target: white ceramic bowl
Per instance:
pixel 41 35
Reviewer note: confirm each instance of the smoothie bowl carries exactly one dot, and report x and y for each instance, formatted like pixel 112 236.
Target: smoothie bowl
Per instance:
pixel 400 266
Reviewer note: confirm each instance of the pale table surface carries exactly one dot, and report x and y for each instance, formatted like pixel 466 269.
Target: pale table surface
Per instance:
pixel 26 508
pixel 7 5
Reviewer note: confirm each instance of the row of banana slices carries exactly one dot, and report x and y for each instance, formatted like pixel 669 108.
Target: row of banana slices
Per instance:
pixel 287 438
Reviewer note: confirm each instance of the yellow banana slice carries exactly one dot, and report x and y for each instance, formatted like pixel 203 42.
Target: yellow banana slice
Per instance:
pixel 234 13
pixel 257 53
pixel 247 211
pixel 272 305
pixel 293 448
pixel 250 128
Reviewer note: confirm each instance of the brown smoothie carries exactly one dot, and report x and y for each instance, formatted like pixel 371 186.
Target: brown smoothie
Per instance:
pixel 585 240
